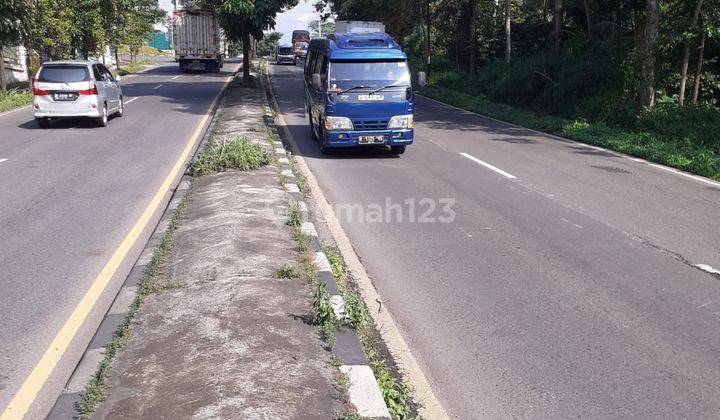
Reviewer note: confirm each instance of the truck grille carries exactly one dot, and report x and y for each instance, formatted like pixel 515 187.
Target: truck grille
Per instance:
pixel 370 124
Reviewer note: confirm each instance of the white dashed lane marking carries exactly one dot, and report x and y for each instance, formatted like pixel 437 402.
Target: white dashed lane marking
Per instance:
pixel 489 166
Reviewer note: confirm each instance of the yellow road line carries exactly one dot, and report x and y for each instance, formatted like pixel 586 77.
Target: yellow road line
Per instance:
pixel 25 396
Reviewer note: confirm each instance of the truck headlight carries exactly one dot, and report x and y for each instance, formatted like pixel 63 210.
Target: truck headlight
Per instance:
pixel 401 121
pixel 338 123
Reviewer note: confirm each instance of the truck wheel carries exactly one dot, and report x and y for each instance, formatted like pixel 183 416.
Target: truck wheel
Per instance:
pixel 398 150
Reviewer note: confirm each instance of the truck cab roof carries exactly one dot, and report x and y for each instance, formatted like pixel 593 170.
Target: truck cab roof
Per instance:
pixel 359 46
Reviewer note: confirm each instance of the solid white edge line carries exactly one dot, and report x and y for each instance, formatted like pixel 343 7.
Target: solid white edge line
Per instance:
pixel 489 166
pixel 679 172
pixel 618 154
pixel 709 269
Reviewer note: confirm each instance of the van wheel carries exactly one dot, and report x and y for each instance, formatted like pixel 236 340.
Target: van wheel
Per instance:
pixel 121 107
pixel 323 148
pixel 310 125
pixel 398 150
pixel 43 122
pixel 103 120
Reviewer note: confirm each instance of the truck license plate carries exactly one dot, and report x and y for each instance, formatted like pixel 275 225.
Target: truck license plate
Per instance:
pixel 371 139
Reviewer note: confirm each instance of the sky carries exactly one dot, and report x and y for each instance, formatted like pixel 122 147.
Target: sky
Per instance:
pixel 296 18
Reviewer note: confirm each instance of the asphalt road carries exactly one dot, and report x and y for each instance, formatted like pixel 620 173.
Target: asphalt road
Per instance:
pixel 68 197
pixel 564 285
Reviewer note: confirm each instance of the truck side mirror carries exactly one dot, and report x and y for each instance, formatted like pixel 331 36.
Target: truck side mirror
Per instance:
pixel 316 81
pixel 422 79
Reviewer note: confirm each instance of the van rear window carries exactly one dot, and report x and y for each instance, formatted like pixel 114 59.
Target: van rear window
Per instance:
pixel 64 74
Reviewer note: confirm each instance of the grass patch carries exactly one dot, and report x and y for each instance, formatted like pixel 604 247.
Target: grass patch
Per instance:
pixel 294 219
pixel 396 393
pixel 671 148
pixel 15 98
pixel 286 272
pixel 95 390
pixel 233 154
pixel 132 68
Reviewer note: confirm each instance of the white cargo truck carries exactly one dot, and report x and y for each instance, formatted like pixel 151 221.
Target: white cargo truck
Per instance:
pixel 198 40
pixel 358 27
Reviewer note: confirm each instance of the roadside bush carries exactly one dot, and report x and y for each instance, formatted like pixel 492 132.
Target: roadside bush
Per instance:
pixel 233 154
pixel 691 151
pixel 14 98
pixel 693 125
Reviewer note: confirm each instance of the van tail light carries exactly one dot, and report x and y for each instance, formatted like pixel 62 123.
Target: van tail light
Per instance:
pixel 37 91
pixel 88 92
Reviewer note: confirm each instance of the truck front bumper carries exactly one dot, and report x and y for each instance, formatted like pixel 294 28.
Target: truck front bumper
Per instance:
pixel 399 137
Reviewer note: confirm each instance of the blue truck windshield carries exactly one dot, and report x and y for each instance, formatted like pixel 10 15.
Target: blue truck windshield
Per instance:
pixel 372 74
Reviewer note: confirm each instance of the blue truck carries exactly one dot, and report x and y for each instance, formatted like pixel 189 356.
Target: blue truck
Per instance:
pixel 358 92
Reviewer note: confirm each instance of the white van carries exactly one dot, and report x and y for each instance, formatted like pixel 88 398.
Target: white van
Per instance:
pixel 76 89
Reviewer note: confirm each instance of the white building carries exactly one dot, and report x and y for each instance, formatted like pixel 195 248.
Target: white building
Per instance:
pixel 15 65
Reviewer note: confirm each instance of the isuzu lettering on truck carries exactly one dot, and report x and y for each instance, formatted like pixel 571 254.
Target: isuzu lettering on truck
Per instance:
pixel 358 92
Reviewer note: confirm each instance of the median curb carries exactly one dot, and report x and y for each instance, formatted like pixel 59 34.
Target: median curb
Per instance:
pixel 65 406
pixel 364 392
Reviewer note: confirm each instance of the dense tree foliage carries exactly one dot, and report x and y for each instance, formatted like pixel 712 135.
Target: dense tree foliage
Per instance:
pixel 57 29
pixel 269 43
pixel 615 57
pixel 243 20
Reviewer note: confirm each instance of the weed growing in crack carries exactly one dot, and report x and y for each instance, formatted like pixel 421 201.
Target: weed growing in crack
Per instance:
pixel 355 309
pixel 323 314
pixel 302 239
pixel 286 272
pixel 294 216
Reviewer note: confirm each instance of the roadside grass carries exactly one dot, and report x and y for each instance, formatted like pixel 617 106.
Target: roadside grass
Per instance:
pixel 396 392
pixel 132 68
pixel 15 98
pixel 152 282
pixel 678 152
pixel 237 153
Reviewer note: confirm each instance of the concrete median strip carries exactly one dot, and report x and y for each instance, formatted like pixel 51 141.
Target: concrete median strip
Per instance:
pixel 127 394
pixel 364 392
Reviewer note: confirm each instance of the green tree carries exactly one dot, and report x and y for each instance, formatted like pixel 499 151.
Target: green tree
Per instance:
pixel 327 28
pixel 12 15
pixel 90 36
pixel 243 19
pixel 50 28
pixel 269 43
